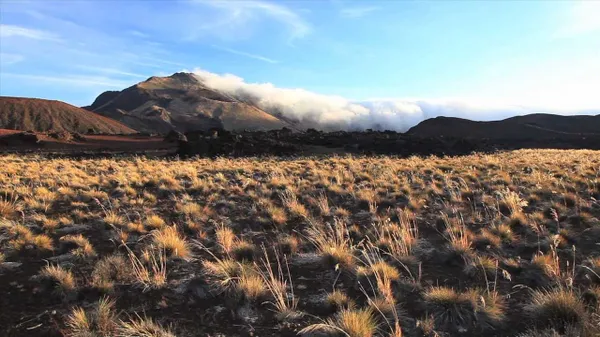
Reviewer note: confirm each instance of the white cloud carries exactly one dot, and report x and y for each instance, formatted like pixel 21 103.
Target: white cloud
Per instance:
pixel 357 12
pixel 30 33
pixel 583 18
pixel 7 59
pixel 239 13
pixel 241 53
pixel 335 112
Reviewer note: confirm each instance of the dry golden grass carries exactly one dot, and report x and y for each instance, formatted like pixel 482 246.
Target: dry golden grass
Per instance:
pixel 333 242
pixel 451 308
pixel 114 219
pixel 223 272
pixel 277 280
pixel 103 321
pixel 251 286
pixel 22 238
pixel 338 300
pixel 151 271
pixel 398 239
pixel 243 250
pixel 100 321
pixel 277 214
pixel 225 238
pixel 8 209
pixel 62 280
pixel 294 206
pixel 172 242
pixel 109 270
pixel 190 209
pixel 559 308
pixel 154 221
pixel 142 327
pixel 83 248
pixel 349 322
pixel 446 246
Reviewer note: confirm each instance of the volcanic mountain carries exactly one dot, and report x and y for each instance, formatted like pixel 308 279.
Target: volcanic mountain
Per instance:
pixel 181 102
pixel 42 115
pixel 532 126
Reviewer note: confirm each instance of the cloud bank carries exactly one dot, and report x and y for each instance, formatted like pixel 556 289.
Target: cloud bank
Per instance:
pixel 338 113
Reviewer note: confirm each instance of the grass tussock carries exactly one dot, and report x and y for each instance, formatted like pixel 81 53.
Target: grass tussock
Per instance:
pixel 150 272
pixel 99 321
pixel 154 221
pixel 464 311
pixel 103 321
pixel 142 327
pixel 222 273
pixel 110 270
pixel 81 245
pixel 113 218
pixel 169 240
pixel 294 206
pixel 559 309
pixel 8 209
pixel 277 283
pixel 349 322
pixel 23 239
pixel 333 242
pixel 251 286
pixel 61 280
pixel 337 300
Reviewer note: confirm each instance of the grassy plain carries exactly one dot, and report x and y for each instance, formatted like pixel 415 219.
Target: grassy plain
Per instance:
pixel 483 245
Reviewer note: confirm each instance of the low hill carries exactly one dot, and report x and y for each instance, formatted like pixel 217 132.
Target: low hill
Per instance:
pixel 533 126
pixel 42 115
pixel 181 102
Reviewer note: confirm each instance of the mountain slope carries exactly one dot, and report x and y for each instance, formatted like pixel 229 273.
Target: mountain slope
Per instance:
pixel 181 102
pixel 533 126
pixel 46 115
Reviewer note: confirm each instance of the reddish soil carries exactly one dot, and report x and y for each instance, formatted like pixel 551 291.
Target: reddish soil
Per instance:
pixel 92 143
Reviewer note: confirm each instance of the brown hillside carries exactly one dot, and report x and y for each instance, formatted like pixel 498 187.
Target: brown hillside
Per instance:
pixel 45 115
pixel 181 102
pixel 533 126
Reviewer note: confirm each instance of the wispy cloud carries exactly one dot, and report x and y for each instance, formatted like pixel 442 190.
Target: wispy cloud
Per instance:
pixel 88 81
pixel 239 13
pixel 111 71
pixel 157 60
pixel 241 53
pixel 583 18
pixel 7 31
pixel 137 33
pixel 7 59
pixel 357 12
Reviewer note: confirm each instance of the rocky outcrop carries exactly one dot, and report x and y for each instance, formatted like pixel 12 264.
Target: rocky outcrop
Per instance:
pixel 284 143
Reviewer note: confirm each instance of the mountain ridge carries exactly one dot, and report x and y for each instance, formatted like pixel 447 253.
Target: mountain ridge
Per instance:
pixel 182 103
pixel 43 115
pixel 531 126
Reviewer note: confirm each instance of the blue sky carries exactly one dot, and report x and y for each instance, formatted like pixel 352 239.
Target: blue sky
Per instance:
pixel 540 53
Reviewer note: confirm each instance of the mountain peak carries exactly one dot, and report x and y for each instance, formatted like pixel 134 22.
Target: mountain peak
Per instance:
pixel 184 76
pixel 177 80
pixel 182 102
